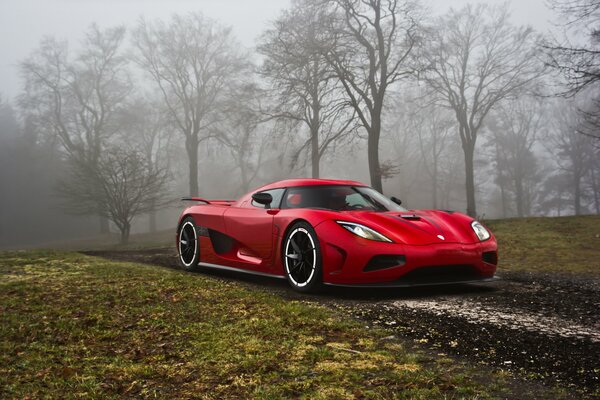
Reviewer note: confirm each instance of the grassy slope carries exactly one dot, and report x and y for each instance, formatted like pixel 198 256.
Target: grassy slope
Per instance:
pixel 549 244
pixel 77 326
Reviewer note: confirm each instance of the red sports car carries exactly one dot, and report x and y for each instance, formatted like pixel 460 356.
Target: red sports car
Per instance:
pixel 332 232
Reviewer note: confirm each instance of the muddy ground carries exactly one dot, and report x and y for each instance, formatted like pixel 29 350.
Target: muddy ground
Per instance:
pixel 542 326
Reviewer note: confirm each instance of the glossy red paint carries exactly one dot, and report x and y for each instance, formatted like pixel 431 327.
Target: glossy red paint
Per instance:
pixel 240 234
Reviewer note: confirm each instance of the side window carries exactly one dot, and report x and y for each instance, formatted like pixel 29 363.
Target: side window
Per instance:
pixel 277 194
pixel 293 198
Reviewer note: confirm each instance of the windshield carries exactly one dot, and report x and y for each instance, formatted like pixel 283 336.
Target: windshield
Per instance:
pixel 338 198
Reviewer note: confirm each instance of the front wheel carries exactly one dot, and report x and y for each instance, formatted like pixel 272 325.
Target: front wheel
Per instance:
pixel 187 245
pixel 302 258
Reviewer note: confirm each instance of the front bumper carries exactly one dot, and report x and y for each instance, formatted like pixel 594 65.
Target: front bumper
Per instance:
pixel 345 257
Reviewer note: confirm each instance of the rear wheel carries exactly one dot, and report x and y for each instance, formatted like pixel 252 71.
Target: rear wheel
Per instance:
pixel 187 245
pixel 302 258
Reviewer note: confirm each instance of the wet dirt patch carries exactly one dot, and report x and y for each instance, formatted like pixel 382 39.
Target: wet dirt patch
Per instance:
pixel 543 326
pixel 544 353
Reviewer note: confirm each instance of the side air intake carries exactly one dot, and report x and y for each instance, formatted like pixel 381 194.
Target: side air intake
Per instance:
pixel 490 257
pixel 384 261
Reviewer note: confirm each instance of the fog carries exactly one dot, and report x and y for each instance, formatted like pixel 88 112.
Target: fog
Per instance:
pixel 112 111
pixel 23 23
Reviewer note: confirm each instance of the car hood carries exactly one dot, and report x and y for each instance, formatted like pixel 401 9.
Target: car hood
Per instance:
pixel 417 227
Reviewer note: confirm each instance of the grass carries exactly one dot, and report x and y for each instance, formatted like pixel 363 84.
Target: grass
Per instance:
pixel 74 326
pixel 559 244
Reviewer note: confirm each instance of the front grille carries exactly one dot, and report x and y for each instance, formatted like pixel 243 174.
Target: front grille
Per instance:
pixel 384 261
pixel 490 257
pixel 441 273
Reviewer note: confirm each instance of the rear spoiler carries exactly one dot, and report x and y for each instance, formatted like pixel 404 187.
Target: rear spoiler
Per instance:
pixel 215 202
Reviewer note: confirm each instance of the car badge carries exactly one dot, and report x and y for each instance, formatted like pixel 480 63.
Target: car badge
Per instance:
pixel 441 237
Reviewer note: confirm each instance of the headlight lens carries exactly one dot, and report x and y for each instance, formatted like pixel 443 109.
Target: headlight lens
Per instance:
pixel 363 231
pixel 480 231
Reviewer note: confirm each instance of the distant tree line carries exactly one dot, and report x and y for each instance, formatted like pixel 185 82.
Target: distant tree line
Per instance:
pixel 450 111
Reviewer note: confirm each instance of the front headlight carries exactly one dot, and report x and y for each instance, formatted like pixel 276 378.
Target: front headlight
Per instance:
pixel 363 231
pixel 480 231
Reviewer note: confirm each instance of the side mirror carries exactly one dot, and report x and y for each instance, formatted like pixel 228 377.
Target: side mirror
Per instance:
pixel 262 198
pixel 396 200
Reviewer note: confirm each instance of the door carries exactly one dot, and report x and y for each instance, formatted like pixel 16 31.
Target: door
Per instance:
pixel 252 226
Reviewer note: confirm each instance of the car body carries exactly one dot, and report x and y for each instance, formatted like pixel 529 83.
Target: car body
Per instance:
pixel 339 233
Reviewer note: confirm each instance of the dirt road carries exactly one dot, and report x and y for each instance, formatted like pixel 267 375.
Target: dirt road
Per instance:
pixel 543 326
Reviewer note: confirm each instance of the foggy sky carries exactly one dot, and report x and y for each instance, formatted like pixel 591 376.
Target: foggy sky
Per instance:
pixel 23 23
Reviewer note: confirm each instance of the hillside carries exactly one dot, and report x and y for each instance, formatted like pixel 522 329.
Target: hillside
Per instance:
pixel 559 244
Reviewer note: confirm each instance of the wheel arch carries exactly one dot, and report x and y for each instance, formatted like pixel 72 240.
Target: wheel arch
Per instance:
pixel 278 261
pixel 184 216
pixel 289 228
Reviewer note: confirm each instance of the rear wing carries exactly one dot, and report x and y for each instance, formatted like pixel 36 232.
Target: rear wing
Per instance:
pixel 214 202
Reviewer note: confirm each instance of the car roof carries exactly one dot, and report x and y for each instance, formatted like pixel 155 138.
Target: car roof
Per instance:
pixel 309 182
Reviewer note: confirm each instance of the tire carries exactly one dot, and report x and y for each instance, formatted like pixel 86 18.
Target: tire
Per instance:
pixel 302 260
pixel 188 248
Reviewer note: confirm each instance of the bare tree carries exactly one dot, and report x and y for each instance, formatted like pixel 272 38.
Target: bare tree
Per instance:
pixel 193 60
pixel 123 181
pixel 433 128
pixel 304 85
pixel 578 61
pixel 593 180
pixel 420 136
pixel 475 59
pixel 78 100
pixel 515 128
pixel 555 194
pixel 572 152
pixel 145 128
pixel 398 149
pixel 590 113
pixel 576 55
pixel 244 133
pixel 372 42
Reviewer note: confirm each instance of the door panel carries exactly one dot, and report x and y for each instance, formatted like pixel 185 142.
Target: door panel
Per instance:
pixel 253 228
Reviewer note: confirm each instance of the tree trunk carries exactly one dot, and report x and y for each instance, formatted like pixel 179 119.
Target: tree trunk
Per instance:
pixel 503 199
pixel 595 189
pixel 314 145
pixel 125 233
pixel 315 121
pixel 519 198
pixel 577 194
pixel 373 150
pixel 245 183
pixel 468 150
pixel 501 183
pixel 243 168
pixel 435 181
pixel 191 144
pixel 315 156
